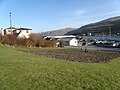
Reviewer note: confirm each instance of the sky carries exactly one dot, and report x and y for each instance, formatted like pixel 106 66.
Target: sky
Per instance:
pixel 47 15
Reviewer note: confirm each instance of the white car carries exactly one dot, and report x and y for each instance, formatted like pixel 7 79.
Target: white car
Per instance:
pixel 116 44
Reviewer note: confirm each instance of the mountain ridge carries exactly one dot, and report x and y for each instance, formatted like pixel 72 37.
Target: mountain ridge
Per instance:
pixel 99 28
pixel 57 32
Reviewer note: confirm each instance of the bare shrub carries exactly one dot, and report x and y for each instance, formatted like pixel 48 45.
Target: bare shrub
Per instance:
pixel 0 37
pixel 34 40
pixel 61 44
pixel 21 42
pixel 46 43
pixel 9 40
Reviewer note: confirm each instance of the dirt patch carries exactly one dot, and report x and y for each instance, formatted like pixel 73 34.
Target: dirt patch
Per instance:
pixel 76 55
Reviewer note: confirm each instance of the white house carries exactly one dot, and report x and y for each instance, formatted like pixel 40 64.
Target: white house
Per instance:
pixel 22 32
pixel 18 32
pixel 70 41
pixel 73 42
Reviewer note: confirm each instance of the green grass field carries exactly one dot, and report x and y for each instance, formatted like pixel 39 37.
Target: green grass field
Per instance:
pixel 24 71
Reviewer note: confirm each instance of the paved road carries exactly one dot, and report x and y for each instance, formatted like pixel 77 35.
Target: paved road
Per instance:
pixel 98 48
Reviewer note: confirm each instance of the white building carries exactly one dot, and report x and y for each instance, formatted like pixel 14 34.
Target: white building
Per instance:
pixel 58 37
pixel 70 41
pixel 22 32
pixel 73 42
pixel 18 32
pixel 7 31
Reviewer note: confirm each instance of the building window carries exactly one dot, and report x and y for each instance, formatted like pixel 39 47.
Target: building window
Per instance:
pixel 9 30
pixel 27 31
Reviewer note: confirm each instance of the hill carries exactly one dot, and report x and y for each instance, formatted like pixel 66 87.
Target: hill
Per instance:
pixel 105 27
pixel 57 32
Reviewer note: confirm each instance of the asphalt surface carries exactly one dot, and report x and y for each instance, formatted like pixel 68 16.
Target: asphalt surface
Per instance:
pixel 96 48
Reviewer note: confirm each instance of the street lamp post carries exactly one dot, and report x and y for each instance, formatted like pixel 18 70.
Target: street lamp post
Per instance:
pixel 10 22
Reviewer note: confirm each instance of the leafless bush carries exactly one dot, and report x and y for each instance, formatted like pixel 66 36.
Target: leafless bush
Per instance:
pixel 34 40
pixel 9 40
pixel 0 37
pixel 61 44
pixel 21 42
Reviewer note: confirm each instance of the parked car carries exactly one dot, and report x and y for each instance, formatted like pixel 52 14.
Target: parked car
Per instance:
pixel 116 44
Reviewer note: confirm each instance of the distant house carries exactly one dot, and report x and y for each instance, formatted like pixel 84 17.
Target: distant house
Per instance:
pixel 7 31
pixel 70 41
pixel 18 32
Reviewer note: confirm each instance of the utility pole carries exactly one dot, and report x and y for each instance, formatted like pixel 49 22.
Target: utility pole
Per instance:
pixel 109 32
pixel 10 22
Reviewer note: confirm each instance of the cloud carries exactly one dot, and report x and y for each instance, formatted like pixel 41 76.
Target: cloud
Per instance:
pixel 87 15
pixel 105 14
pixel 74 15
pixel 77 12
pixel 74 18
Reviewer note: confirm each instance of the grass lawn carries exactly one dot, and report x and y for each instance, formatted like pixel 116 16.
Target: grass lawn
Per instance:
pixel 25 71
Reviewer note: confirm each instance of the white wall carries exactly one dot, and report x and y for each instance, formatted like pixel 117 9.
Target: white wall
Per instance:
pixel 8 31
pixel 73 42
pixel 24 34
pixel 2 33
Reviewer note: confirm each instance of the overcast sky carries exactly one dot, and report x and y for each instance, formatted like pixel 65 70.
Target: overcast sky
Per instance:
pixel 46 15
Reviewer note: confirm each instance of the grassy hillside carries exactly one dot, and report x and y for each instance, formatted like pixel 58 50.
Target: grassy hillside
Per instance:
pixel 23 71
